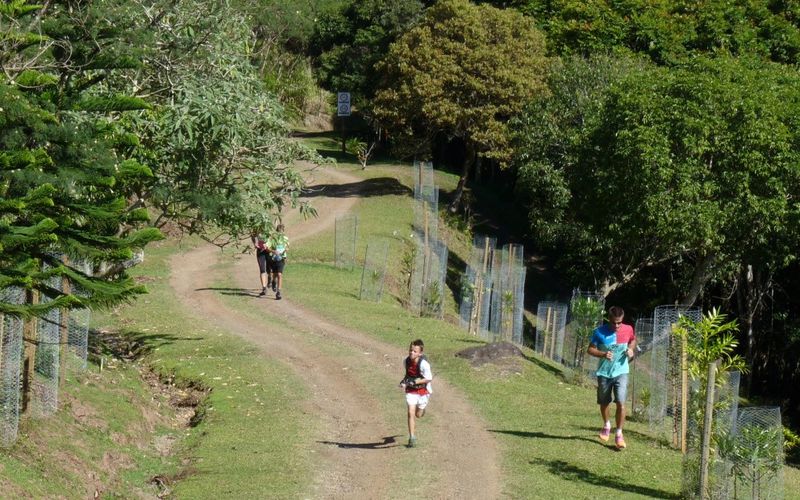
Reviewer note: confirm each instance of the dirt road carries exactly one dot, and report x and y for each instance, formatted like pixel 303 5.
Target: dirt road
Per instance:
pixel 360 446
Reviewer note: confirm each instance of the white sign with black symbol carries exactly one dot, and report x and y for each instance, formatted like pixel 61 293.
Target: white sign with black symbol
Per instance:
pixel 343 104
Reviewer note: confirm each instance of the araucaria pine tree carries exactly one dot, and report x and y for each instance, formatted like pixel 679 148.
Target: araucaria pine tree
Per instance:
pixel 64 177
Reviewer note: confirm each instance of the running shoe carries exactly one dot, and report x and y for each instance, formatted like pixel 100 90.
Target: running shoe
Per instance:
pixel 605 432
pixel 620 442
pixel 278 295
pixel 412 442
pixel 263 292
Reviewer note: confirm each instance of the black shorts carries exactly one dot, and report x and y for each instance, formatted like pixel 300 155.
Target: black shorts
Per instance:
pixel 262 258
pixel 276 266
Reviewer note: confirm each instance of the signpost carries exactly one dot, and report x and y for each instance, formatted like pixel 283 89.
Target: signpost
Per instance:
pixel 342 110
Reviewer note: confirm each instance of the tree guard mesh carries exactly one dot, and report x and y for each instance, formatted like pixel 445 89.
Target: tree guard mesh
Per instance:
pixel 428 277
pixel 373 274
pixel 756 454
pixel 551 322
pixel 78 324
pixel 725 398
pixel 476 287
pixel 344 244
pixel 668 389
pixel 508 294
pixel 46 362
pixel 10 367
pixel 426 213
pixel 640 370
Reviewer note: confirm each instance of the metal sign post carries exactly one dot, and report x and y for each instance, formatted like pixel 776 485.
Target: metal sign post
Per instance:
pixel 342 110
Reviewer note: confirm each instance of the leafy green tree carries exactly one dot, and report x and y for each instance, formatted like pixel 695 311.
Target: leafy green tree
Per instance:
pixel 217 140
pixel 461 74
pixel 348 42
pixel 692 168
pixel 669 31
pixel 552 139
pixel 64 179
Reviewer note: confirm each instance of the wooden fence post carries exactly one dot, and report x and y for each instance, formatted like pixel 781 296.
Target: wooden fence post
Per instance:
pixel 707 423
pixel 63 331
pixel 684 393
pixel 2 335
pixel 546 333
pixel 30 341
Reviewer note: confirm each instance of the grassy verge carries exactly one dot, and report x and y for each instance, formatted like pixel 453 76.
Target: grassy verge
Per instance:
pixel 248 443
pixel 111 434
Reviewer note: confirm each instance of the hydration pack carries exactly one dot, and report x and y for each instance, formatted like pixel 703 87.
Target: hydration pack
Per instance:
pixel 408 380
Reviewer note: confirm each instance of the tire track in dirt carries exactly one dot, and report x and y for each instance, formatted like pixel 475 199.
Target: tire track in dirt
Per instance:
pixel 458 449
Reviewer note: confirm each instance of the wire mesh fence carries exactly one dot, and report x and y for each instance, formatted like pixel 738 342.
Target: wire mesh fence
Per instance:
pixel 373 274
pixel 10 367
pixel 423 177
pixel 640 370
pixel 426 212
pixel 476 287
pixel 46 361
pixel 585 314
pixel 725 402
pixel 508 294
pixel 755 453
pixel 78 324
pixel 551 323
pixel 428 277
pixel 344 241
pixel 669 380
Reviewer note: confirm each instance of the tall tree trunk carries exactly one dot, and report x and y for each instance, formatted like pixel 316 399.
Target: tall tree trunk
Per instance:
pixel 700 277
pixel 469 158
pixel 752 287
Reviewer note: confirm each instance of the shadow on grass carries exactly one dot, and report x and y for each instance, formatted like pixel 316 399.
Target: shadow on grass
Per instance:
pixel 387 442
pixel 638 435
pixel 545 366
pixel 542 435
pixel 379 186
pixel 471 341
pixel 573 473
pixel 128 345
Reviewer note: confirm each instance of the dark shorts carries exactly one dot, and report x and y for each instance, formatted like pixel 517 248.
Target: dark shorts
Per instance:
pixel 618 386
pixel 276 266
pixel 262 258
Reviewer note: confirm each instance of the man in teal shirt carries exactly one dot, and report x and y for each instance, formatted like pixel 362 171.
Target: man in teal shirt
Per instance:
pixel 613 343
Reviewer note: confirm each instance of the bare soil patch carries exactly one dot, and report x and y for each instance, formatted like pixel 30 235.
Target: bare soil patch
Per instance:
pixel 490 353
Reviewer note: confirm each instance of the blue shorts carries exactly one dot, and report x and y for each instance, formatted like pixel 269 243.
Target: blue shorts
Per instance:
pixel 618 386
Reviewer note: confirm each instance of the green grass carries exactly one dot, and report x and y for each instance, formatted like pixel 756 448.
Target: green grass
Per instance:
pixel 101 420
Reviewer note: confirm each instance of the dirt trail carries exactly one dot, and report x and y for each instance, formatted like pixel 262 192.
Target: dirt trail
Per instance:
pixel 360 447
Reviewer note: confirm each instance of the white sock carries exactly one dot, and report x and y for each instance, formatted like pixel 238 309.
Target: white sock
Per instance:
pixel 619 432
pixel 607 425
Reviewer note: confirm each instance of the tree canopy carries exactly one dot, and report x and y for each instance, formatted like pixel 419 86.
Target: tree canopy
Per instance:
pixel 695 166
pixel 64 171
pixel 461 73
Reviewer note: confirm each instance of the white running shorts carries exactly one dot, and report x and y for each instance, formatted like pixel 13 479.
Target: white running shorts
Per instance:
pixel 417 400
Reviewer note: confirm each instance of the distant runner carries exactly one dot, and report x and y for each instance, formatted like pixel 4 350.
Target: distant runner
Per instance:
pixel 262 256
pixel 277 244
pixel 614 343
pixel 417 385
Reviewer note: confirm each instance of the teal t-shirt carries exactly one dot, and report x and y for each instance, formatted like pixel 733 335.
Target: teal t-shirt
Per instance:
pixel 605 338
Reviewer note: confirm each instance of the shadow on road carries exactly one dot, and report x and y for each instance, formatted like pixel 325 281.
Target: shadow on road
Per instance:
pixel 388 442
pixel 380 186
